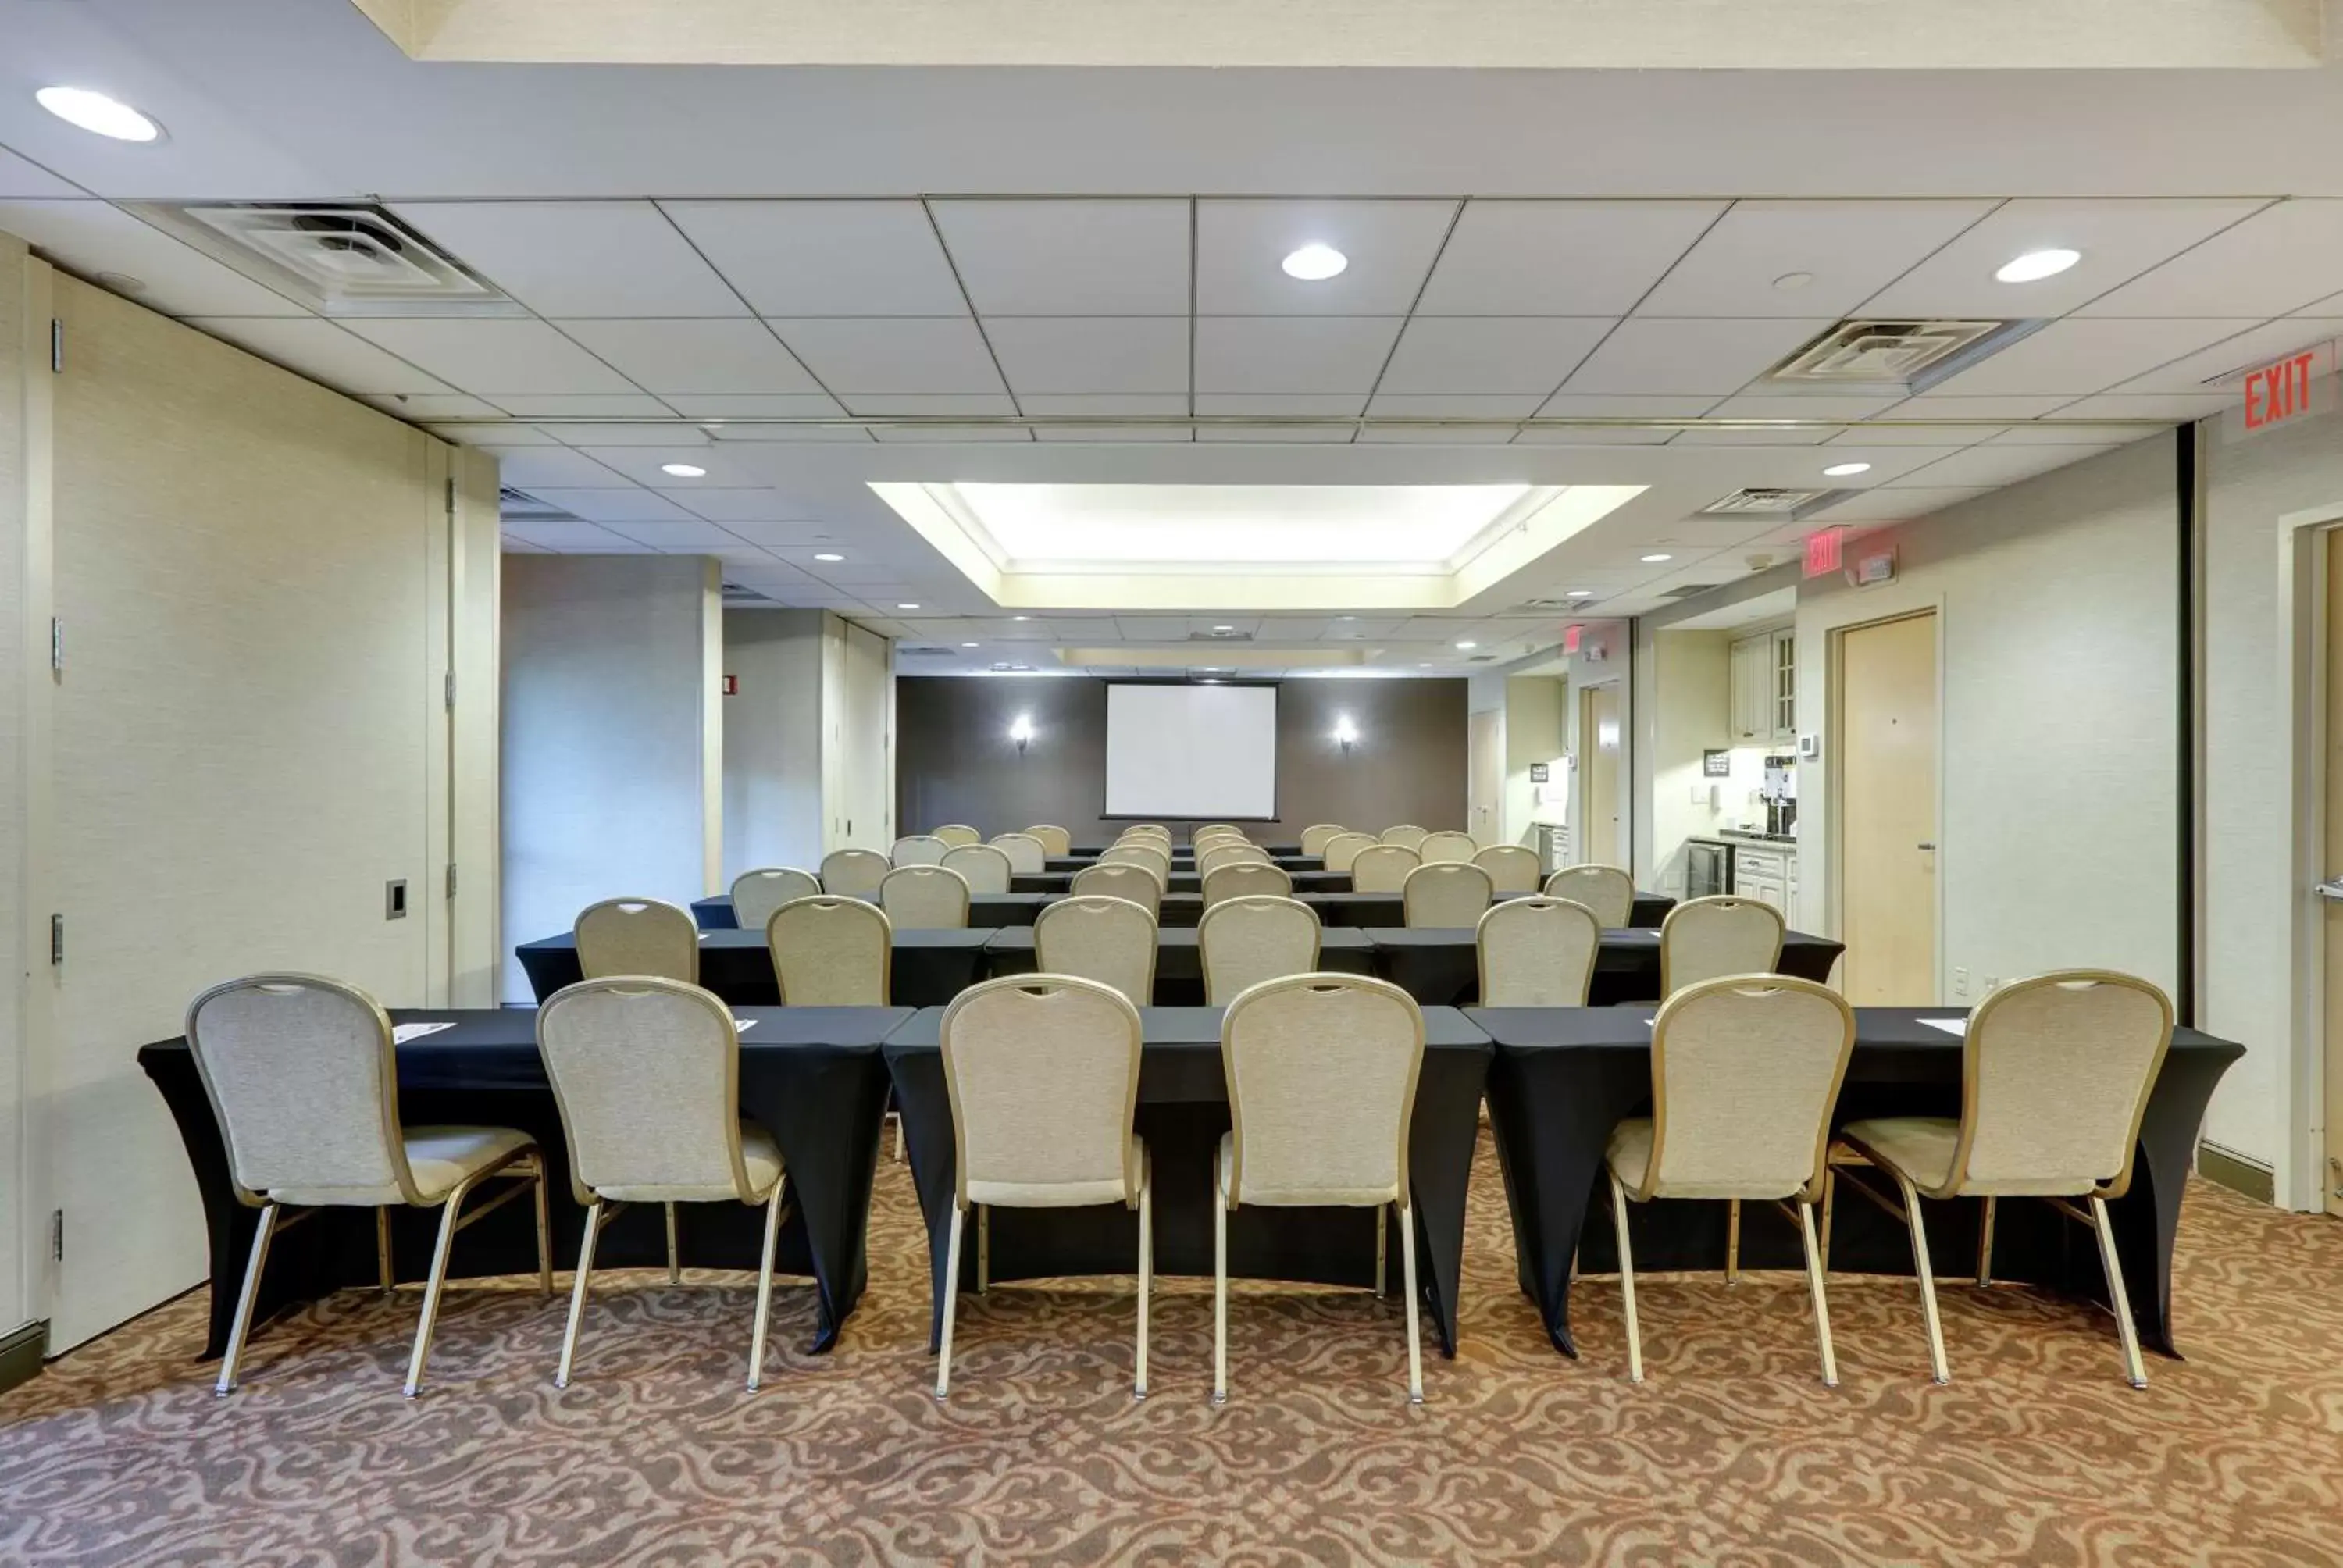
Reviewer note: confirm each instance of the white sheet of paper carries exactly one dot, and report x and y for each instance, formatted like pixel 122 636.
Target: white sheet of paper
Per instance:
pixel 1651 1023
pixel 1959 1026
pixel 743 1025
pixel 400 1033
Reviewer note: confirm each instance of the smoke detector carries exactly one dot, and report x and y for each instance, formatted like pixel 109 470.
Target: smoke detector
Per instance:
pixel 338 259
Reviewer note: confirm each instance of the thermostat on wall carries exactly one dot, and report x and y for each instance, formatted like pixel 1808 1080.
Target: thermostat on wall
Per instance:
pixel 1810 747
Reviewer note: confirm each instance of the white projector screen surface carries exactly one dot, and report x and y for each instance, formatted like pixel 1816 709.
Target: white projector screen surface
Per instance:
pixel 1192 752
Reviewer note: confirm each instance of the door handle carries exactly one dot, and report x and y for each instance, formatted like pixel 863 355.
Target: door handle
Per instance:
pixel 2331 888
pixel 1932 850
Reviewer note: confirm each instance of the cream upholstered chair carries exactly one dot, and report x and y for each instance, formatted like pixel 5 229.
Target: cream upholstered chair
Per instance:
pixel 1609 892
pixel 955 834
pixel 1537 953
pixel 1407 836
pixel 831 952
pixel 1342 851
pixel 853 873
pixel 303 1077
pixel 1054 839
pixel 1447 845
pixel 1121 880
pixel 1043 1074
pixel 988 870
pixel 757 894
pixel 1702 938
pixel 1314 837
pixel 1227 854
pixel 647 1074
pixel 918 849
pixel 924 899
pixel 1285 1044
pixel 1382 869
pixel 1452 894
pixel 1214 830
pixel 1158 861
pixel 1511 869
pixel 1244 879
pixel 1246 940
pixel 1744 1072
pixel 637 936
pixel 2056 1073
pixel 1106 940
pixel 1028 856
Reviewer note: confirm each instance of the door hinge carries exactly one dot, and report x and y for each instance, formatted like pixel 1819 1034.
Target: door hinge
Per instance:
pixel 56 346
pixel 56 645
pixel 57 1236
pixel 451 879
pixel 56 939
pixel 447 691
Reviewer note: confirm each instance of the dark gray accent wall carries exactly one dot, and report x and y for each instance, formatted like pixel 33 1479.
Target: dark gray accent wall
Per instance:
pixel 954 761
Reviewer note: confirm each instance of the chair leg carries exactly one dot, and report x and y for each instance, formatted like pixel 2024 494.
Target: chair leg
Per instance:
pixel 899 1138
pixel 983 1251
pixel 1937 1367
pixel 1830 1201
pixel 1984 1246
pixel 1219 1293
pixel 254 1263
pixel 765 1288
pixel 1383 1254
pixel 544 1236
pixel 1146 1265
pixel 577 1294
pixel 429 1323
pixel 951 1300
pixel 1732 1241
pixel 674 1252
pixel 2117 1296
pixel 1627 1283
pixel 1414 1311
pixel 382 1249
pixel 1822 1303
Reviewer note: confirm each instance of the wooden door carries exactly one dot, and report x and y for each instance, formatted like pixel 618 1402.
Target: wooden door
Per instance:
pixel 1599 742
pixel 1887 734
pixel 1486 785
pixel 2330 1186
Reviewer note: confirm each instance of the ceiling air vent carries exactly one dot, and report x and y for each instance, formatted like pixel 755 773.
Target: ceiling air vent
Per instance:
pixel 1481 659
pixel 1765 502
pixel 1222 636
pixel 1012 668
pixel 339 260
pixel 515 506
pixel 906 650
pixel 1688 589
pixel 1914 355
pixel 735 593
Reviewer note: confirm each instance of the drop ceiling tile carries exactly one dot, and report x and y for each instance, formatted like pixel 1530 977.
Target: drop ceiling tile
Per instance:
pixel 1802 437
pixel 1105 406
pixel 1994 465
pixel 631 505
pixel 782 433
pixel 1954 405
pixel 737 356
pixel 1909 435
pixel 734 468
pixel 797 258
pixel 1848 250
pixel 488 356
pixel 951 435
pixel 93 238
pixel 687 537
pixel 1591 436
pixel 1320 405
pixel 323 352
pixel 1894 505
pixel 1324 354
pixel 673 432
pixel 21 178
pixel 752 405
pixel 514 545
pixel 2063 432
pixel 1276 434
pixel 736 504
pixel 1079 258
pixel 880 405
pixel 1390 244
pixel 1670 357
pixel 1492 435
pixel 570 538
pixel 528 468
pixel 795 541
pixel 2081 355
pixel 2209 366
pixel 926 354
pixel 424 405
pixel 1091 354
pixel 2119 239
pixel 1437 406
pixel 578 257
pixel 2281 259
pixel 2180 407
pixel 1818 405
pixel 494 440
pixel 1560 257
pixel 591 405
pixel 1150 434
pixel 1491 353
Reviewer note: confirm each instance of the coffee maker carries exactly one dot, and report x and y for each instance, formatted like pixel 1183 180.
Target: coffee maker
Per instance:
pixel 1780 793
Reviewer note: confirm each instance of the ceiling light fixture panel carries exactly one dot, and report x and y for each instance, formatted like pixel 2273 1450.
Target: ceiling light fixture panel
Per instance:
pixel 1314 262
pixel 2036 265
pixel 98 113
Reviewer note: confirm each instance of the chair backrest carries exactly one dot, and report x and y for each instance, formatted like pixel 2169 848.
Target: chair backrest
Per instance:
pixel 1028 856
pixel 757 894
pixel 918 849
pixel 1322 1072
pixel 1156 860
pixel 1219 855
pixel 1707 939
pixel 1197 835
pixel 1537 953
pixel 1382 868
pixel 637 936
pixel 987 869
pixel 1343 849
pixel 1447 845
pixel 831 952
pixel 1106 940
pixel 1242 879
pixel 1511 869
pixel 2057 1072
pixel 1407 836
pixel 1244 941
pixel 957 833
pixel 1609 892
pixel 1453 894
pixel 647 1074
pixel 1121 880
pixel 300 1073
pixel 1745 1072
pixel 1054 839
pixel 924 899
pixel 1314 837
pixel 853 873
pixel 1152 829
pixel 1043 1075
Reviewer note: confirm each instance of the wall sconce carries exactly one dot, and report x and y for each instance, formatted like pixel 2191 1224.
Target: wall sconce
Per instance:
pixel 1345 732
pixel 1021 732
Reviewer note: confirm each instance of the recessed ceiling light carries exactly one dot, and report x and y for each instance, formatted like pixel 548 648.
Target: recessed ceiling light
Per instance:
pixel 1841 470
pixel 1425 665
pixel 968 645
pixel 1468 646
pixel 1652 560
pixel 1224 629
pixel 93 111
pixel 2035 265
pixel 828 555
pixel 684 470
pixel 1020 618
pixel 1579 593
pixel 906 607
pixel 1316 263
pixel 1791 280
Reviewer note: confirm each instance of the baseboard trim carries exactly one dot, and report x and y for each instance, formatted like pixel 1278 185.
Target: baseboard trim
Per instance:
pixel 21 1354
pixel 2236 1173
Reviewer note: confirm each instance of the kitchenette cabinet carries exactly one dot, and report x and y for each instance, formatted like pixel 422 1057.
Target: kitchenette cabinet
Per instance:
pixel 1765 689
pixel 1767 872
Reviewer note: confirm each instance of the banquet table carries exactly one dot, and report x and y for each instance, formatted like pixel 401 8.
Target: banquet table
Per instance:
pixel 1289 856
pixel 1565 1077
pixel 929 967
pixel 1179 961
pixel 1440 966
pixel 1182 1113
pixel 1349 909
pixel 811 1076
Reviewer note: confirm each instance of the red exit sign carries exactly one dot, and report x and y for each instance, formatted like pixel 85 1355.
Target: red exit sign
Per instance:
pixel 1825 551
pixel 2276 393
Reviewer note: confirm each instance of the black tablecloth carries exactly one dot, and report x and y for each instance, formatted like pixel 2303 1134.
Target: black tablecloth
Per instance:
pixel 1565 1077
pixel 1182 882
pixel 1182 1113
pixel 1347 909
pixel 985 910
pixel 930 969
pixel 1179 961
pixel 811 1076
pixel 1441 968
pixel 1289 856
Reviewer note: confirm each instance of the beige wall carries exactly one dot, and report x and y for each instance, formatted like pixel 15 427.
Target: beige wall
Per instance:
pixel 1537 721
pixel 1690 713
pixel 858 698
pixel 18 640
pixel 772 740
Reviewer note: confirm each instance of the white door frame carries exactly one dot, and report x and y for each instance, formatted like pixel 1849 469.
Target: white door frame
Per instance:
pixel 2304 539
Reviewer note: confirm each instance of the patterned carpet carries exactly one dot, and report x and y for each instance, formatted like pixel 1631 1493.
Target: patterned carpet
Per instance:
pixel 1734 1453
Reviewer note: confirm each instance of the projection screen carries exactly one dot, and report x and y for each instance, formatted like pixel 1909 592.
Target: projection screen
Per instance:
pixel 1188 753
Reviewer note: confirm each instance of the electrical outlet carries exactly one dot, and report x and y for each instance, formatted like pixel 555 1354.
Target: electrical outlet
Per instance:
pixel 1960 982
